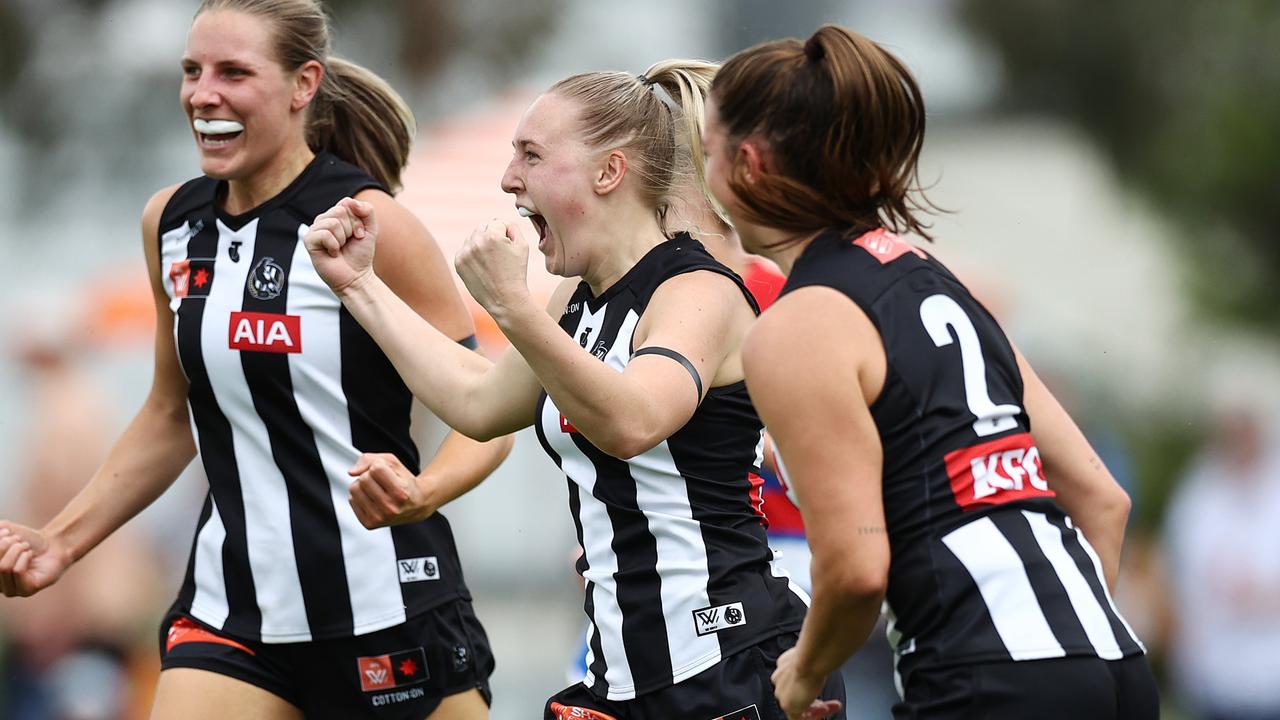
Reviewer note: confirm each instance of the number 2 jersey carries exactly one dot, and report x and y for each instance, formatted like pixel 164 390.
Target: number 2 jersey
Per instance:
pixel 677 566
pixel 985 566
pixel 286 390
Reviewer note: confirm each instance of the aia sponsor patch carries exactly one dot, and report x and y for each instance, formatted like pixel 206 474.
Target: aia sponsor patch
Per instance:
pixel 192 277
pixel 265 332
pixel 750 712
pixel 384 672
pixel 996 472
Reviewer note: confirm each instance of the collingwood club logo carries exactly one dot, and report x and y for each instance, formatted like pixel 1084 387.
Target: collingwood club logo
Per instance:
pixel 418 569
pixel 266 280
pixel 721 617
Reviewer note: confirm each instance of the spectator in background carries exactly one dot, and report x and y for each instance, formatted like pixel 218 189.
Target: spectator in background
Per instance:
pixel 1223 549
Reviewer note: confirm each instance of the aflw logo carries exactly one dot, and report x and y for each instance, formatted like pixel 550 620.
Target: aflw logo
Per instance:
pixel 265 332
pixel 376 675
pixel 997 472
pixel 418 569
pixel 715 619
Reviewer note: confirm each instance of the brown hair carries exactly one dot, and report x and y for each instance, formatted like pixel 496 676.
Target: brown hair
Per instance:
pixel 843 121
pixel 355 114
pixel 656 118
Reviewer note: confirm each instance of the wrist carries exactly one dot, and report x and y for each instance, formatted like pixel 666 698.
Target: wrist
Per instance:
pixel 359 287
pixel 58 544
pixel 427 501
pixel 512 313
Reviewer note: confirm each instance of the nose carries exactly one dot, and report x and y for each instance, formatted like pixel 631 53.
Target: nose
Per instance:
pixel 511 181
pixel 203 92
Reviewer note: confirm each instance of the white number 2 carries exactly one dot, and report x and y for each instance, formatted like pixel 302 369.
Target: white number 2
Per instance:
pixel 940 315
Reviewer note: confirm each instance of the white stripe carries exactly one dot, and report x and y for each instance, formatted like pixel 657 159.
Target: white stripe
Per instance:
pixel 173 248
pixel 662 495
pixel 268 526
pixel 1102 578
pixel 209 605
pixel 597 535
pixel 316 373
pixel 1005 588
pixel 1091 614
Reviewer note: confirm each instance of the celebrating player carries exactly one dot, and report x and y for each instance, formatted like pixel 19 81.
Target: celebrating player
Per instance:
pixel 632 379
pixel 291 605
pixel 903 416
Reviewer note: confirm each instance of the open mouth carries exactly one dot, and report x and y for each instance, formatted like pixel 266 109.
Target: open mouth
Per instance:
pixel 217 133
pixel 539 222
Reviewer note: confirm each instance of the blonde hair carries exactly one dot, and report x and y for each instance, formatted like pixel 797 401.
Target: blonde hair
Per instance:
pixel 656 118
pixel 355 114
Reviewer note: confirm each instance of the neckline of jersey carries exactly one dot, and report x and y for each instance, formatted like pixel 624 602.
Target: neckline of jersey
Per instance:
pixel 235 222
pixel 594 302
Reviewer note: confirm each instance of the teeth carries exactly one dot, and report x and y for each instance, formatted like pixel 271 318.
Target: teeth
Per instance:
pixel 524 212
pixel 217 127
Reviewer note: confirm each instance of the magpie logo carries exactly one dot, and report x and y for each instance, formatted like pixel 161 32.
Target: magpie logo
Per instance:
pixel 266 280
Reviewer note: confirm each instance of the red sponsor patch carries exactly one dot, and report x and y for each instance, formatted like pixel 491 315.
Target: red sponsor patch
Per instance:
pixel 574 712
pixel 997 472
pixel 756 494
pixel 383 672
pixel 191 278
pixel 885 246
pixel 184 630
pixel 265 332
pixel 566 426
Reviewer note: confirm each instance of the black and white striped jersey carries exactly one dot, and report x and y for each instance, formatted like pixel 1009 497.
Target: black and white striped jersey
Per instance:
pixel 677 566
pixel 985 565
pixel 286 390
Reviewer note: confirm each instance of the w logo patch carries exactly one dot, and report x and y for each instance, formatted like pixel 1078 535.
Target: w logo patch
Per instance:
pixel 715 619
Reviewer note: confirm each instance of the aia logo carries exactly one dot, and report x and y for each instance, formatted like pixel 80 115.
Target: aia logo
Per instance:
pixel 721 617
pixel 191 278
pixel 266 280
pixel 265 332
pixel 885 246
pixel 418 569
pixel 383 672
pixel 997 472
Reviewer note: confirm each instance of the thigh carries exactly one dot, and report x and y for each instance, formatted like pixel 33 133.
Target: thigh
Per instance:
pixel 1137 696
pixel 467 705
pixel 190 694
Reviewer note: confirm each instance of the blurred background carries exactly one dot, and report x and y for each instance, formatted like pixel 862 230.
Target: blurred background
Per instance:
pixel 1110 175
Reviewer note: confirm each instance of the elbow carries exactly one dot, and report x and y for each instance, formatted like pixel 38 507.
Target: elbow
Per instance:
pixel 854 580
pixel 625 443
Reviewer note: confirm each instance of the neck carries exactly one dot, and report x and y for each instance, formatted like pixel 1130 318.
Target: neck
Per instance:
pixel 622 234
pixel 246 193
pixel 790 246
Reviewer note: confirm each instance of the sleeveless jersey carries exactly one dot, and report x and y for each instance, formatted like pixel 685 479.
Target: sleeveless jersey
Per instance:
pixel 678 570
pixel 985 566
pixel 285 391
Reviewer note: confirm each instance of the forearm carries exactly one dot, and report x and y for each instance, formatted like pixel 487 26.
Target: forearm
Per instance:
pixel 606 407
pixel 1102 518
pixel 144 462
pixel 442 374
pixel 459 465
pixel 837 624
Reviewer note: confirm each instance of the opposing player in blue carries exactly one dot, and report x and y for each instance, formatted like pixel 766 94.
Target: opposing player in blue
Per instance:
pixel 307 594
pixel 904 418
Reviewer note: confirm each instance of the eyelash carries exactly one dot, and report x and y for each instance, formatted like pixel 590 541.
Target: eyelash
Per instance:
pixel 528 155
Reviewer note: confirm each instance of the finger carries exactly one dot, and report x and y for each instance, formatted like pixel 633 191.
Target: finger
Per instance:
pixel 362 464
pixel 10 557
pixel 361 508
pixel 512 232
pixel 24 562
pixel 379 500
pixel 820 709
pixel 391 482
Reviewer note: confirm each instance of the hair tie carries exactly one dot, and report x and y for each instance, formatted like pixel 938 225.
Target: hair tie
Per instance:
pixel 644 80
pixel 813 49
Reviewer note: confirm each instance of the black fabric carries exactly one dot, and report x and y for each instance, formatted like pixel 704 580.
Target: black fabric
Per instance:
pixel 738 688
pixel 1072 688
pixel 323 679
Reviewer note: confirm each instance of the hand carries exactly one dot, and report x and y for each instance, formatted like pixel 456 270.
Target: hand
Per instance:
pixel 341 242
pixel 29 563
pixel 494 265
pixel 798 693
pixel 385 493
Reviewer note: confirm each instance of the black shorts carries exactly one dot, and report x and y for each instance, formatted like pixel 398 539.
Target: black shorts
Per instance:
pixel 737 688
pixel 1059 689
pixel 402 672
